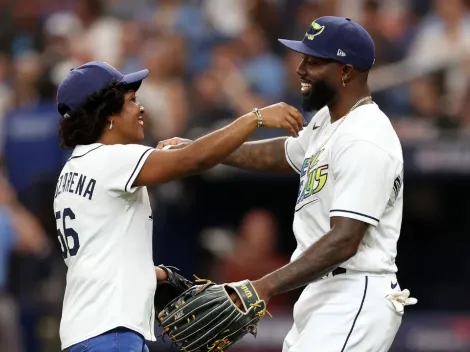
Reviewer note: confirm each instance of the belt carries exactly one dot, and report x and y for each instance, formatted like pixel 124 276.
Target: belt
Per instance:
pixel 338 271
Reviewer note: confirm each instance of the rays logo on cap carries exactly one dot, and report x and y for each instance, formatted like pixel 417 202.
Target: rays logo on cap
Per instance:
pixel 314 29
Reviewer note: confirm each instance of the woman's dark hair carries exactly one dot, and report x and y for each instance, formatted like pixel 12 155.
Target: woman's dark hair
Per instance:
pixel 86 124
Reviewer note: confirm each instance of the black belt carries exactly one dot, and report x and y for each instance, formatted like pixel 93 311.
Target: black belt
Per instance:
pixel 338 271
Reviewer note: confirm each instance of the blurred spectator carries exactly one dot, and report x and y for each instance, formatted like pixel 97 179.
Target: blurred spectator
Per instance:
pixel 6 94
pixel 124 9
pixel 235 91
pixel 443 41
pixel 425 102
pixel 100 34
pixel 166 16
pixel 261 69
pixel 462 114
pixel 18 231
pixel 27 34
pixel 235 18
pixel 255 253
pixel 390 27
pixel 300 16
pixel 208 109
pixel 59 30
pixel 424 97
pixel 443 35
pixel 10 333
pixel 266 15
pixel 163 93
pixel 238 92
pixel 131 41
pixel 31 147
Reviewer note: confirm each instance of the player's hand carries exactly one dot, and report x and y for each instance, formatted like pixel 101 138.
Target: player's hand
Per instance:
pixel 282 115
pixel 236 299
pixel 174 143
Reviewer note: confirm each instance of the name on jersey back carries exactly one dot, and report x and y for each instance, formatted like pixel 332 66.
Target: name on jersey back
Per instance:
pixel 73 182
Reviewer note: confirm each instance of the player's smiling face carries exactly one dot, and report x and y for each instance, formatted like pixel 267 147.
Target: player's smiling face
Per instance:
pixel 316 82
pixel 130 122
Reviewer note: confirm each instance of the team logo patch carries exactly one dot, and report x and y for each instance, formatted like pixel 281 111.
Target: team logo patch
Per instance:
pixel 397 185
pixel 314 30
pixel 313 178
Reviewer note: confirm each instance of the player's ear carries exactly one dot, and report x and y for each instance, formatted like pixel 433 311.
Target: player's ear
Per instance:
pixel 346 73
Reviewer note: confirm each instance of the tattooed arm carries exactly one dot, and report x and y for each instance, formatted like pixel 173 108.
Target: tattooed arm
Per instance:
pixel 264 155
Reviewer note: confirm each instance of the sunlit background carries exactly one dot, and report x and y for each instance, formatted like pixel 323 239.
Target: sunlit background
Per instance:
pixel 210 62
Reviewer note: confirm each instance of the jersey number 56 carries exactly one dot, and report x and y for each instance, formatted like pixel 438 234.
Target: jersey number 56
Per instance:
pixel 68 237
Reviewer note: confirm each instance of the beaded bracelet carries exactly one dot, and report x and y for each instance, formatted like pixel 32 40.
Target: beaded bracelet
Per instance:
pixel 257 112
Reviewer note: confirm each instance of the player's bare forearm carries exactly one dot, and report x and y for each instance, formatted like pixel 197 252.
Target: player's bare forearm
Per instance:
pixel 322 257
pixel 265 155
pixel 336 247
pixel 198 156
pixel 213 147
pixel 162 165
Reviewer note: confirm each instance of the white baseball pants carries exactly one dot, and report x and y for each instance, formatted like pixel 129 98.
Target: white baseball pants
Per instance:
pixel 345 313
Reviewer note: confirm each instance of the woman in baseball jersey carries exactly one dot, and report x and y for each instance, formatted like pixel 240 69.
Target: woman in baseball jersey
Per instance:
pixel 102 208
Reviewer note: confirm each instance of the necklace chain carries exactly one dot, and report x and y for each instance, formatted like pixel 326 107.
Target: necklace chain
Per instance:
pixel 360 101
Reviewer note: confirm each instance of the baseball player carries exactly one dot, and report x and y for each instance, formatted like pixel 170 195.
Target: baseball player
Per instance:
pixel 102 208
pixel 348 212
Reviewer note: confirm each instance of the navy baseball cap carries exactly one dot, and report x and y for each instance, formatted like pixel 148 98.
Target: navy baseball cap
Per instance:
pixel 337 38
pixel 90 78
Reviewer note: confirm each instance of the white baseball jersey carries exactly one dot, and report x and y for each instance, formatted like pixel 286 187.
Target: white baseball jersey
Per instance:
pixel 104 226
pixel 358 174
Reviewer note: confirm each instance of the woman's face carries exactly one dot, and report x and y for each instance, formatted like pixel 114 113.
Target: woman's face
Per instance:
pixel 129 123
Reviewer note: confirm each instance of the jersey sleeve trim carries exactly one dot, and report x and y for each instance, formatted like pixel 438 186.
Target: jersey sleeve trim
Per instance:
pixel 289 160
pixel 137 168
pixel 355 215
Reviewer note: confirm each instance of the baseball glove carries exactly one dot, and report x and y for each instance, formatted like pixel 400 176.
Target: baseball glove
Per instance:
pixel 170 288
pixel 205 317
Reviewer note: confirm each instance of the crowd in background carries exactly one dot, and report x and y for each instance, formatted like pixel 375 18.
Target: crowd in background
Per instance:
pixel 210 61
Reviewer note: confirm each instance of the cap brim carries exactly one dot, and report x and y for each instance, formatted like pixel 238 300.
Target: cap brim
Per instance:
pixel 135 77
pixel 300 47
